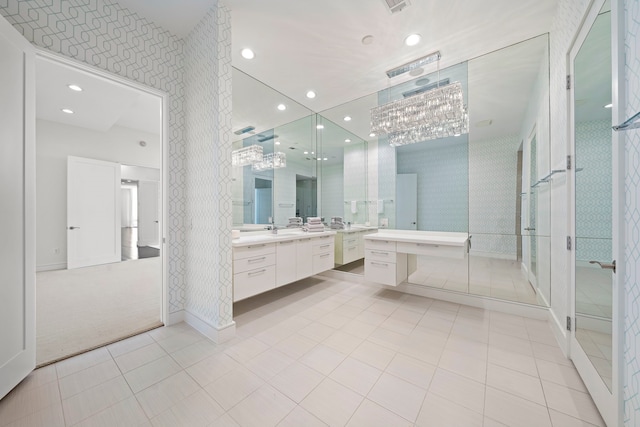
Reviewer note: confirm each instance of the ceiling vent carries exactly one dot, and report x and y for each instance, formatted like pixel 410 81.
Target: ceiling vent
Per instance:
pixel 395 6
pixel 263 138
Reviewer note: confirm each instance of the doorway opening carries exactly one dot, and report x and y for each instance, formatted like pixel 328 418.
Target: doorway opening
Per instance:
pixel 99 217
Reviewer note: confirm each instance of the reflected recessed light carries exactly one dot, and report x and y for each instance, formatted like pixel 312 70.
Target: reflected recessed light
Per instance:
pixel 319 158
pixel 277 142
pixel 306 152
pixel 347 118
pixel 313 152
pixel 608 106
pixel 325 159
pixel 311 94
pixel 68 111
pixel 484 123
pixel 412 39
pixel 75 87
pixel 320 127
pixel 347 140
pixel 247 53
pixel 457 134
pixel 282 107
pixel 372 134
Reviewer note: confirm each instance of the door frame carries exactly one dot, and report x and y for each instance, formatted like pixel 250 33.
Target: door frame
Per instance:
pixel 610 405
pixel 164 173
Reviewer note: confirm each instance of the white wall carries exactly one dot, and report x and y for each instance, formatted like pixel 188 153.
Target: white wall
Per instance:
pixel 54 142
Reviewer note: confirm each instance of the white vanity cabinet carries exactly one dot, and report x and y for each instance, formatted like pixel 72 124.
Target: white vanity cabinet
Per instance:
pixel 254 270
pixel 285 269
pixel 323 253
pixel 304 258
pixel 350 245
pixel 382 264
pixel 263 262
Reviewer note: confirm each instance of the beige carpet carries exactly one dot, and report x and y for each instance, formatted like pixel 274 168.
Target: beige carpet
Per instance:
pixel 81 309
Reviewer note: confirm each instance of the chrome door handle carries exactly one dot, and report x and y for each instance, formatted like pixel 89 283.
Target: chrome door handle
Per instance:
pixel 603 265
pixel 530 229
pixel 73 228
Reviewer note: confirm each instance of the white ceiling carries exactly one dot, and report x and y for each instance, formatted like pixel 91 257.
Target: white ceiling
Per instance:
pixel 101 105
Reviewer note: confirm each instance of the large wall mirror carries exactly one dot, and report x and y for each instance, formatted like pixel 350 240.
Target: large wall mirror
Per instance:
pixel 492 183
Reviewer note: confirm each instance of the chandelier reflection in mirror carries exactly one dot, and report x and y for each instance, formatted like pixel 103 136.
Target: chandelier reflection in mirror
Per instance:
pixel 271 161
pixel 438 113
pixel 246 155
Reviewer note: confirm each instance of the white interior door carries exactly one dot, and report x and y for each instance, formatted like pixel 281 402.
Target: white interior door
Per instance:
pixel 148 213
pixel 93 212
pixel 17 211
pixel 594 206
pixel 407 201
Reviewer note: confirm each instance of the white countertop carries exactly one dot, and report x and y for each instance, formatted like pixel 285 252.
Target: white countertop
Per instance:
pixel 283 235
pixel 357 228
pixel 444 238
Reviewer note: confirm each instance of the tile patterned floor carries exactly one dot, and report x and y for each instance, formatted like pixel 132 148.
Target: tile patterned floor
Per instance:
pixel 319 352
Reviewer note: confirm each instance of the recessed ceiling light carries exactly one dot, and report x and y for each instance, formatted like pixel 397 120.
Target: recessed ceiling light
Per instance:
pixel 320 127
pixel 325 159
pixel 306 152
pixel 247 53
pixel 608 106
pixel 311 94
pixel 368 39
pixel 313 152
pixel 347 118
pixel 277 142
pixel 416 72
pixel 412 39
pixel 75 87
pixel 372 134
pixel 282 107
pixel 319 158
pixel 68 111
pixel 347 140
pixel 422 82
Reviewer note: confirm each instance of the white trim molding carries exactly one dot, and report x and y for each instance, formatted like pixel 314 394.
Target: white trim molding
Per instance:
pixel 215 333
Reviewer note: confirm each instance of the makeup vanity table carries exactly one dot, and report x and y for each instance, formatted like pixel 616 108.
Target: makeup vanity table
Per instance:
pixel 390 255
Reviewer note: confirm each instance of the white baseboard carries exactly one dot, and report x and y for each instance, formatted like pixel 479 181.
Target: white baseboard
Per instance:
pixel 51 267
pixel 175 318
pixel 559 329
pixel 594 323
pixel 216 334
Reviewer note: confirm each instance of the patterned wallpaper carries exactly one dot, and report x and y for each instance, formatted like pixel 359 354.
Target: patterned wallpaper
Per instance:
pixel 493 172
pixel 632 218
pixel 443 182
pixel 103 34
pixel 207 79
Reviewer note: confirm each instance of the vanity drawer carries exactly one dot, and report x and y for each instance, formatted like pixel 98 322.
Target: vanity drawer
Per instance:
pixel 253 250
pixel 445 251
pixel 350 254
pixel 384 245
pixel 254 262
pixel 323 245
pixel 253 282
pixel 380 272
pixel 380 255
pixel 322 262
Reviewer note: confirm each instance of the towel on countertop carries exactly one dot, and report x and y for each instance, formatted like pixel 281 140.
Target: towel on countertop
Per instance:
pixel 380 206
pixel 354 207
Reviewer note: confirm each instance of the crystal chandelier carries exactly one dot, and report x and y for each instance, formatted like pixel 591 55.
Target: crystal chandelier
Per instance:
pixel 271 161
pixel 246 155
pixel 438 113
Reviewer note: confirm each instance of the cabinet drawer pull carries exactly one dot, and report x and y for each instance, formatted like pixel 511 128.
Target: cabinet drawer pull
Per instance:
pixel 427 245
pixel 255 273
pixel 305 240
pixel 286 242
pixel 324 237
pixel 257 259
pixel 256 246
pixel 380 253
pixel 325 246
pixel 324 256
pixel 380 264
